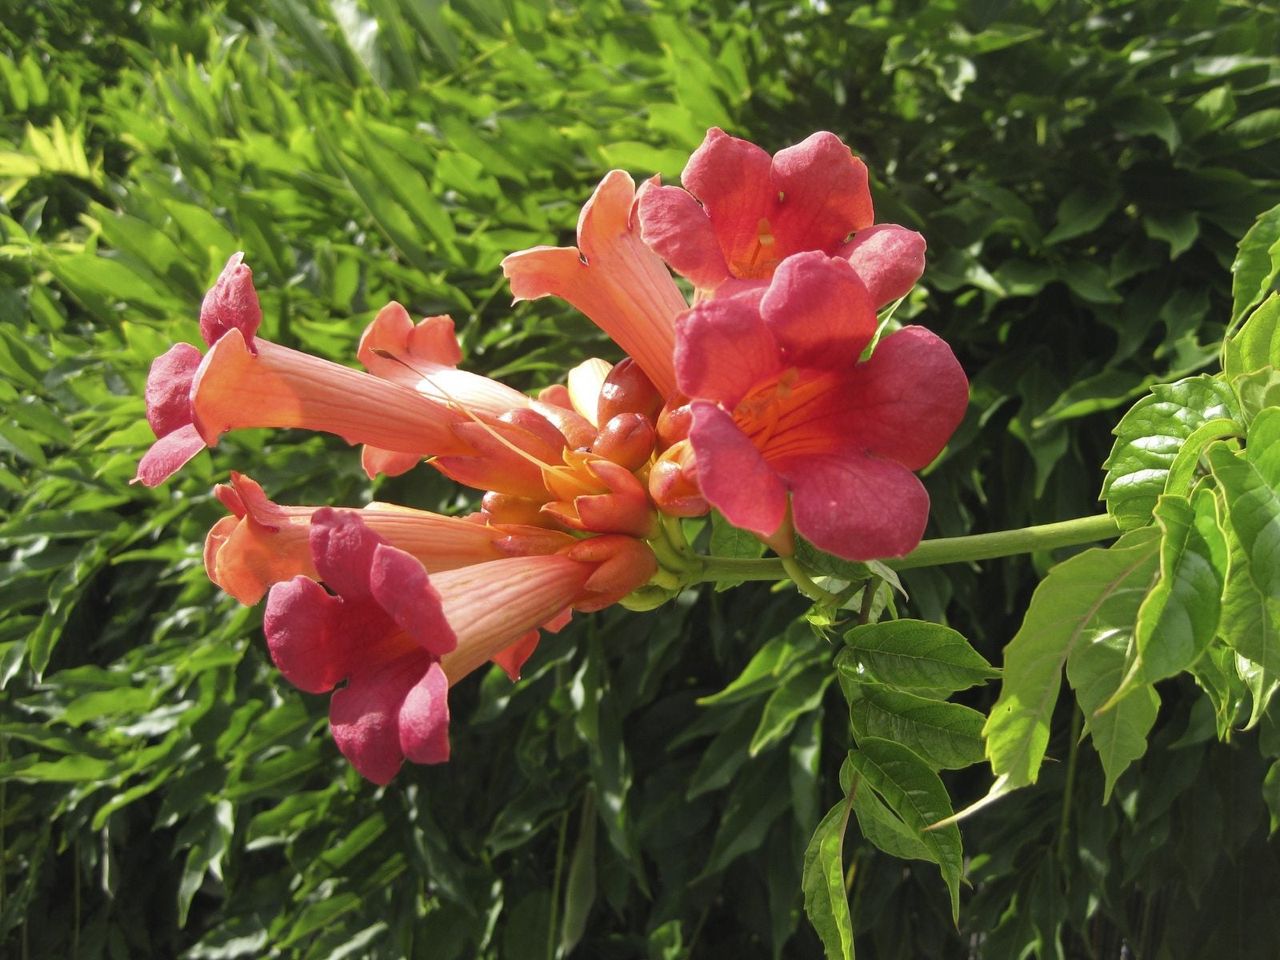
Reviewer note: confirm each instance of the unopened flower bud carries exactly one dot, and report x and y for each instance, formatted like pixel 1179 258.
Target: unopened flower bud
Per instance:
pixel 627 390
pixel 506 508
pixel 673 483
pixel 674 424
pixel 624 564
pixel 627 440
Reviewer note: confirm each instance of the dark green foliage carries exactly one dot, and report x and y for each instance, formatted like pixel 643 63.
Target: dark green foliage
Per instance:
pixel 1083 173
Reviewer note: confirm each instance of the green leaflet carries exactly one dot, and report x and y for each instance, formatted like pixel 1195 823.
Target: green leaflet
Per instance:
pixel 1179 616
pixel 947 736
pixel 1257 343
pixel 1095 670
pixel 1256 264
pixel 1090 595
pixel 925 658
pixel 728 541
pixel 1149 438
pixel 917 797
pixel 798 695
pixel 1251 486
pixel 825 901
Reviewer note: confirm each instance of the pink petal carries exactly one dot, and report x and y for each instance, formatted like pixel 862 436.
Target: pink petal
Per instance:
pixel 731 179
pixel 824 194
pixel 724 350
pixel 391 463
pixel 231 302
pixel 365 715
pixel 424 718
pixel 676 228
pixel 909 397
pixel 888 258
pixel 818 311
pixel 167 455
pixel 400 585
pixel 254 502
pixel 734 477
pixel 858 508
pixel 343 548
pixel 301 622
pixel 169 388
pixel 511 659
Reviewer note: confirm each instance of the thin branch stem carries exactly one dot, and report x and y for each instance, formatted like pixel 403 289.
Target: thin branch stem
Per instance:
pixel 804 583
pixel 932 553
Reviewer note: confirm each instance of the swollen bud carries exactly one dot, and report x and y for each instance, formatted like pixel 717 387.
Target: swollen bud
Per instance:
pixel 507 508
pixel 623 563
pixel 627 390
pixel 627 440
pixel 674 424
pixel 673 482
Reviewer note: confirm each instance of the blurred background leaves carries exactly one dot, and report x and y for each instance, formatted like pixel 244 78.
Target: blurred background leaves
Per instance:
pixel 1082 171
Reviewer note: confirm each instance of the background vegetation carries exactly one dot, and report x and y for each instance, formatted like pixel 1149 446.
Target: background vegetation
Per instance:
pixel 1082 171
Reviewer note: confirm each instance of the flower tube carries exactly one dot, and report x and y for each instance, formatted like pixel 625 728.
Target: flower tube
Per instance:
pixel 263 543
pixel 612 277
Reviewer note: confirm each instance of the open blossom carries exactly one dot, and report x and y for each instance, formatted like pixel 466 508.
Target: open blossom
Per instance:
pixel 783 410
pixel 245 381
pixel 612 277
pixel 400 638
pixel 263 543
pixel 742 212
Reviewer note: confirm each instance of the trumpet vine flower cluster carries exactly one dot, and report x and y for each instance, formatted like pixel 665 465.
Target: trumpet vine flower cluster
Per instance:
pixel 766 396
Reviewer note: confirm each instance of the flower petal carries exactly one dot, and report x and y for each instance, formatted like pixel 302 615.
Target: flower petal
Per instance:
pixel 858 508
pixel 909 397
pixel 167 455
pixel 231 303
pixel 824 194
pixel 676 227
pixel 300 622
pixel 888 258
pixel 424 718
pixel 424 358
pixel 724 349
pixel 734 477
pixel 168 391
pixel 731 179
pixel 818 311
pixel 365 715
pixel 400 585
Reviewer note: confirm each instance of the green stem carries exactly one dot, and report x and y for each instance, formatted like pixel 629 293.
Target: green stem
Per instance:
pixel 555 886
pixel 1008 543
pixel 804 583
pixel 932 553
pixel 1064 827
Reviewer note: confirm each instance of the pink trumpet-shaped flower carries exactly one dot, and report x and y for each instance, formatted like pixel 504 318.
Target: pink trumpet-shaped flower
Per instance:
pixel 399 638
pixel 263 543
pixel 244 381
pixel 782 406
pixel 745 212
pixel 612 277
